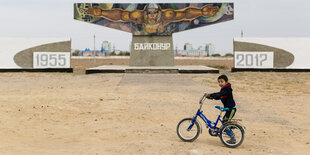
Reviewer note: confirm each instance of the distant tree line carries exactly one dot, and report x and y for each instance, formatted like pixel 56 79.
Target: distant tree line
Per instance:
pixel 121 53
pixel 219 55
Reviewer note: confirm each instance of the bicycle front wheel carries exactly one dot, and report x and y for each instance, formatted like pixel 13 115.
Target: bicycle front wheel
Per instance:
pixel 187 131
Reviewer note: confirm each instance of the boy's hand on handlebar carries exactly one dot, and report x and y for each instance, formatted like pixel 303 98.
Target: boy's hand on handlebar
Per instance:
pixel 207 95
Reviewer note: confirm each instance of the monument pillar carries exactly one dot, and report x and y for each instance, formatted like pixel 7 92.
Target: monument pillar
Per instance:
pixel 151 50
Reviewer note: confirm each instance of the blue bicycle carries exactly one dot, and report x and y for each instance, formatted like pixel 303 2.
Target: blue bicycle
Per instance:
pixel 231 133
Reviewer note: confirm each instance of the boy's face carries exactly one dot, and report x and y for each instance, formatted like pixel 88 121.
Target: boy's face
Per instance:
pixel 222 82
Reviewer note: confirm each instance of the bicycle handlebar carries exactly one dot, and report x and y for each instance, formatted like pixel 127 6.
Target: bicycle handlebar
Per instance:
pixel 203 98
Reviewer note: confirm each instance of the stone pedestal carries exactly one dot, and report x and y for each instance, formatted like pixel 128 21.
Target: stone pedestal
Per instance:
pixel 151 51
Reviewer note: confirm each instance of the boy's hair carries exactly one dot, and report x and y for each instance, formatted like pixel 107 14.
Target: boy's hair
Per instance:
pixel 224 77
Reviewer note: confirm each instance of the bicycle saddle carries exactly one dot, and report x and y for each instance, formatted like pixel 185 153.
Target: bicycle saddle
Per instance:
pixel 221 108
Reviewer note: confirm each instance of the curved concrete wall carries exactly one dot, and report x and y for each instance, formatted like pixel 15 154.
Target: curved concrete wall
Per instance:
pixel 289 53
pixel 17 53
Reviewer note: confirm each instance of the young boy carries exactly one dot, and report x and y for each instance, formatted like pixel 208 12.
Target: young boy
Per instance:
pixel 226 97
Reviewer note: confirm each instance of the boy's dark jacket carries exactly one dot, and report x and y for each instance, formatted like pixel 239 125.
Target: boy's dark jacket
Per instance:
pixel 226 96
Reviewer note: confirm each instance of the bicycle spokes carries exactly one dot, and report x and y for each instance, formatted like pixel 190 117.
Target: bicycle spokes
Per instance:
pixel 188 130
pixel 231 135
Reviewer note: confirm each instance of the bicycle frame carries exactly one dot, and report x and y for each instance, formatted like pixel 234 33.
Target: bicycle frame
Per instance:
pixel 205 119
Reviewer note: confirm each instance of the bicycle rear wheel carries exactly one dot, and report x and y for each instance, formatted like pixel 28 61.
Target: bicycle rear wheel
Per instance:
pixel 232 135
pixel 185 133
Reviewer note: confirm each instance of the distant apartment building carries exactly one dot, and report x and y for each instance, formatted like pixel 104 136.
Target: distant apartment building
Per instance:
pixel 104 51
pixel 209 48
pixel 201 51
pixel 106 46
pixel 188 46
pixel 86 52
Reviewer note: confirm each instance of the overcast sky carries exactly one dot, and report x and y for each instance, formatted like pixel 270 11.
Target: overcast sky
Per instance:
pixel 54 18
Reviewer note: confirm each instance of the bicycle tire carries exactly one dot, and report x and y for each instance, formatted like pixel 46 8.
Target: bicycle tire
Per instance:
pixel 196 133
pixel 240 128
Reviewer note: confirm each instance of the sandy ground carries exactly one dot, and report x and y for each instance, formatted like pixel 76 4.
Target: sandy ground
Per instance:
pixel 59 113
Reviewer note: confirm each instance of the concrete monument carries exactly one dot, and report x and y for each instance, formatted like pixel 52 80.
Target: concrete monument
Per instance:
pixel 152 25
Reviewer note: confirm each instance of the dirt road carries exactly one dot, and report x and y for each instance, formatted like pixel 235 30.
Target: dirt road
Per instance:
pixel 57 113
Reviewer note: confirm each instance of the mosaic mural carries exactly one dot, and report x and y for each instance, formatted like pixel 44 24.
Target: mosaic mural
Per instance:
pixel 151 18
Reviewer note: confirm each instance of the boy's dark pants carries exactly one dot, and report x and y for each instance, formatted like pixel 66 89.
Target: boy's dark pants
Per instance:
pixel 229 114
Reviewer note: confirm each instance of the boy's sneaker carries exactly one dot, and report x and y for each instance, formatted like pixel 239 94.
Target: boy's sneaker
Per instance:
pixel 232 140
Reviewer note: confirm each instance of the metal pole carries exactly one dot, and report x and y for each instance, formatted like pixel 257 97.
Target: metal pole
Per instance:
pixel 94 53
